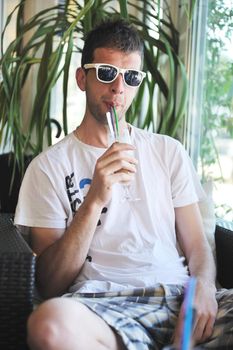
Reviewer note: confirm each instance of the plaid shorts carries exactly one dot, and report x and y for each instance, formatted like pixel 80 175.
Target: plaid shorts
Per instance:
pixel 145 317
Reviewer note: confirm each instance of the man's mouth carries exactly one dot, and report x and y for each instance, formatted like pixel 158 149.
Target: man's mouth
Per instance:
pixel 112 104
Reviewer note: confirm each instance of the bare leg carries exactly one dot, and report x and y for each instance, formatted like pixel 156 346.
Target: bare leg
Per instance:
pixel 65 324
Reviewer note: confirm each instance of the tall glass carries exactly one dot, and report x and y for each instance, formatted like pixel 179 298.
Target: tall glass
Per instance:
pixel 125 137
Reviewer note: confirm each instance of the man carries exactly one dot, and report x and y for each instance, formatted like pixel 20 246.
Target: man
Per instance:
pixel 116 261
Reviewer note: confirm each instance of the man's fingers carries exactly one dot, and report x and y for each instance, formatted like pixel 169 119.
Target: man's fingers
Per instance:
pixel 209 327
pixel 203 329
pixel 198 330
pixel 116 159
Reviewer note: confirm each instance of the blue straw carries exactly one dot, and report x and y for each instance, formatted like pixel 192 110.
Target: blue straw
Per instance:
pixel 188 316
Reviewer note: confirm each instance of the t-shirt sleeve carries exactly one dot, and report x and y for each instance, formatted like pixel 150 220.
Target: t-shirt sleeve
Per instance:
pixel 39 203
pixel 185 184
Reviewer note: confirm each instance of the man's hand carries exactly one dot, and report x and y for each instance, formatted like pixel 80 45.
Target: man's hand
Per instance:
pixel 115 165
pixel 193 242
pixel 206 307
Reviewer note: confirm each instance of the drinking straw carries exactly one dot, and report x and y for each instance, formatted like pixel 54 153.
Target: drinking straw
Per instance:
pixel 188 316
pixel 113 124
pixel 116 121
pixel 110 125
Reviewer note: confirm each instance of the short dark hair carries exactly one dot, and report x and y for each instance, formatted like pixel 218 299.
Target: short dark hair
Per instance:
pixel 117 34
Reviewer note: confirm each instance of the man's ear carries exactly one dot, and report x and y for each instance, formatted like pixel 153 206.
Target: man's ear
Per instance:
pixel 81 78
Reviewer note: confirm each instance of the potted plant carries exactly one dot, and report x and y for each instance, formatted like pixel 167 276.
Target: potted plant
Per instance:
pixel 42 55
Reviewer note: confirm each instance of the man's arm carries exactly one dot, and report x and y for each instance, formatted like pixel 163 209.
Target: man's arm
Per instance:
pixel 190 235
pixel 61 254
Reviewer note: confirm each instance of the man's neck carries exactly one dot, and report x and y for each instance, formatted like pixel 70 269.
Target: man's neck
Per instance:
pixel 92 134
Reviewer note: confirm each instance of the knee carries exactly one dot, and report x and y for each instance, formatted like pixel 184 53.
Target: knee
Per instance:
pixel 44 328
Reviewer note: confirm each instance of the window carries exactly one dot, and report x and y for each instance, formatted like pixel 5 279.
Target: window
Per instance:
pixel 216 153
pixel 210 121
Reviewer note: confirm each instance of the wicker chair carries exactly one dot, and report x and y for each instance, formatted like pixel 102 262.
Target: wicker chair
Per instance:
pixel 224 253
pixel 17 276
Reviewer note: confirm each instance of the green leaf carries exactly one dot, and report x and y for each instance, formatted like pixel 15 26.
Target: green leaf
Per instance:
pixel 65 80
pixel 123 8
pixel 170 99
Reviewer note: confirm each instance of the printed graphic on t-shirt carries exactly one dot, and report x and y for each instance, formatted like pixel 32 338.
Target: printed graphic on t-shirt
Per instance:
pixel 77 193
pixel 72 192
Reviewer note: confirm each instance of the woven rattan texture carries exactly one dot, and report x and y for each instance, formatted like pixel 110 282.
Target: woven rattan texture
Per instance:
pixel 10 239
pixel 224 256
pixel 17 274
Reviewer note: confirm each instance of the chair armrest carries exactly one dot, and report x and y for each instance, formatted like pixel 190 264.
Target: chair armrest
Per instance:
pixel 224 256
pixel 17 276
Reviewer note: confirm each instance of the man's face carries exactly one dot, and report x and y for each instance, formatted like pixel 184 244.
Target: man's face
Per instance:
pixel 101 96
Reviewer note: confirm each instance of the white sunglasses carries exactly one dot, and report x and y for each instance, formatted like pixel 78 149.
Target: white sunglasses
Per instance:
pixel 107 73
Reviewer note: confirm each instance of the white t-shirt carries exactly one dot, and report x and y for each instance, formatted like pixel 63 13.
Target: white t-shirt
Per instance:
pixel 134 244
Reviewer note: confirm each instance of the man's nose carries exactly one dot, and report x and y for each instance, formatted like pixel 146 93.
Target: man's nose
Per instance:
pixel 118 85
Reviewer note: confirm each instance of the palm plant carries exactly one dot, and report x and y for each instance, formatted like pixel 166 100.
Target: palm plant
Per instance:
pixel 57 32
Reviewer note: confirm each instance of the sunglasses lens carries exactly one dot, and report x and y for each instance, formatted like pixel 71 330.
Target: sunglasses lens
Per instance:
pixel 106 73
pixel 133 77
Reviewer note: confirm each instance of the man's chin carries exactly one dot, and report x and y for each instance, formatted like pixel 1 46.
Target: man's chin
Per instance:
pixel 101 119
